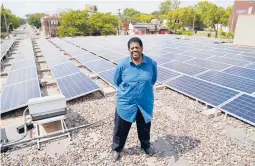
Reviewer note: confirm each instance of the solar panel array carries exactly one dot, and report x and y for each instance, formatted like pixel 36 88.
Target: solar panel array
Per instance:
pixel 212 73
pixel 22 82
pixel 219 75
pixel 89 60
pixel 70 80
pixel 6 47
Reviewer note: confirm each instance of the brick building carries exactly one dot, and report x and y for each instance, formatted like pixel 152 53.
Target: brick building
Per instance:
pixel 49 25
pixel 241 7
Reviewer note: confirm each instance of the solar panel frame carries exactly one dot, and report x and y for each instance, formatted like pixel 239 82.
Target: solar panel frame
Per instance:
pixel 64 69
pixel 24 74
pixel 240 103
pixel 196 54
pixel 108 76
pixel 99 65
pixel 71 81
pixel 230 81
pixel 87 58
pixel 21 94
pixel 184 68
pixel 229 61
pixel 56 61
pixel 241 72
pixel 19 64
pixel 241 57
pixel 164 74
pixel 208 64
pixel 220 92
pixel 251 66
pixel 161 60
pixel 177 57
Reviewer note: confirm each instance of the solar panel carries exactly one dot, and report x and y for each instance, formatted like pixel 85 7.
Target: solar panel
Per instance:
pixel 209 93
pixel 177 57
pixel 240 57
pixel 164 74
pixel 189 48
pixel 64 69
pixel 212 52
pixel 85 53
pixel 196 54
pixel 76 85
pixel 242 108
pixel 208 64
pixel 56 60
pixel 227 51
pixel 161 60
pixel 252 66
pixel 184 68
pixel 99 66
pixel 175 50
pixel 120 60
pixel 19 64
pixel 16 76
pixel 241 72
pixel 112 55
pixel 16 96
pixel 23 56
pixel 87 58
pixel 229 61
pixel 108 76
pixel 231 81
pixel 155 52
pixel 251 54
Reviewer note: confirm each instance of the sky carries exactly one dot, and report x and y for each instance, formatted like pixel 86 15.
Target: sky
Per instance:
pixel 23 7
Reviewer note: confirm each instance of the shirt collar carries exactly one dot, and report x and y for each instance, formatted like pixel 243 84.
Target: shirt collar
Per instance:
pixel 144 59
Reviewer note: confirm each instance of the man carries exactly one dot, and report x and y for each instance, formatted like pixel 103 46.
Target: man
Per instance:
pixel 135 78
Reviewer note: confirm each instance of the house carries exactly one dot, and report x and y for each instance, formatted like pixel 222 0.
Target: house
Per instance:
pixel 146 28
pixel 241 7
pixel 49 25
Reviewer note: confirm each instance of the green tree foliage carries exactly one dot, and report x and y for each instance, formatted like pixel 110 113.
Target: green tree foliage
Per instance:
pixel 103 22
pixel 12 20
pixel 74 23
pixel 79 23
pixel 35 19
pixel 211 15
pixel 130 12
pixel 168 5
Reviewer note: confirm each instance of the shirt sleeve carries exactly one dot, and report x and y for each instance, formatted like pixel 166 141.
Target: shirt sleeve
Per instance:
pixel 117 76
pixel 155 73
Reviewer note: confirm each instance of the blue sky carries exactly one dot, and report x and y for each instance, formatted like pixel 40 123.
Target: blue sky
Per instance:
pixel 21 8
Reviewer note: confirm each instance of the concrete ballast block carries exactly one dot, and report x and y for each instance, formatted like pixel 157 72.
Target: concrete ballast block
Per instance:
pixel 211 113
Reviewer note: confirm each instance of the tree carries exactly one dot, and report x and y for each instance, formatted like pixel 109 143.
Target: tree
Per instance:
pixel 212 15
pixel 35 19
pixel 104 23
pixel 130 12
pixel 74 23
pixel 145 18
pixel 168 5
pixel 12 20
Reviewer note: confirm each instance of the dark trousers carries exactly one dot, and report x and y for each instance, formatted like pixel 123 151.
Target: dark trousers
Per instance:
pixel 122 128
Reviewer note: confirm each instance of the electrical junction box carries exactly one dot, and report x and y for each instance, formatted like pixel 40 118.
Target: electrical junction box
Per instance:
pixel 47 107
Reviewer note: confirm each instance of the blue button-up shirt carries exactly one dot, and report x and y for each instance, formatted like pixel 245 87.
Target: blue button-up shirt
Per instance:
pixel 135 88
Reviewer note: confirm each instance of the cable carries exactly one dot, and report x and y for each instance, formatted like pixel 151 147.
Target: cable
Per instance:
pixel 25 128
pixel 52 134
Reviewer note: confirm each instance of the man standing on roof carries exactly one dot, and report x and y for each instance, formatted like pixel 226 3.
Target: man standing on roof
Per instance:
pixel 134 77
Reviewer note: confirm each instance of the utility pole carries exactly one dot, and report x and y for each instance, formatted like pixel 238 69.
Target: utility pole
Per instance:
pixel 194 18
pixel 6 27
pixel 119 21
